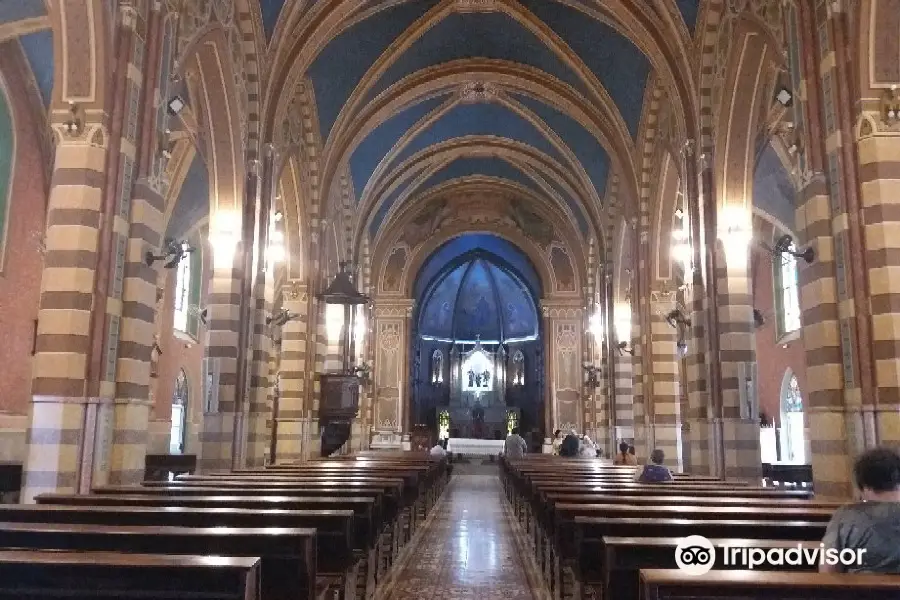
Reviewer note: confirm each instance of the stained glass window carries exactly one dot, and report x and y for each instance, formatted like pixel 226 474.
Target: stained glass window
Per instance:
pixel 787 293
pixel 182 295
pixel 179 408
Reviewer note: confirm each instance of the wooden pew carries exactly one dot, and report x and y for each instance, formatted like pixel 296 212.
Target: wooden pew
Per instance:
pixel 288 556
pixel 365 532
pixel 668 584
pixel 616 573
pixel 335 547
pixel 89 575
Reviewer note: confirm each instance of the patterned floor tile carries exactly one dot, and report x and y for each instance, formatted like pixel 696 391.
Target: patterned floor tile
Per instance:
pixel 467 552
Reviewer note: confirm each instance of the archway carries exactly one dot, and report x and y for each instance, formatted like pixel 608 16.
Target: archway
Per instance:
pixel 180 397
pixel 793 434
pixel 476 354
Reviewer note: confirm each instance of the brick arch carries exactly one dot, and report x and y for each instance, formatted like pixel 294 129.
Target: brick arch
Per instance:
pixel 752 55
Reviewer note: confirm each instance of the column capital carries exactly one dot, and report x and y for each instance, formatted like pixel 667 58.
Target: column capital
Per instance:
pixel 393 307
pixel 296 290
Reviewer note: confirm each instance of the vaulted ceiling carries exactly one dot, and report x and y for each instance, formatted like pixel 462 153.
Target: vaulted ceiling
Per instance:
pixel 414 94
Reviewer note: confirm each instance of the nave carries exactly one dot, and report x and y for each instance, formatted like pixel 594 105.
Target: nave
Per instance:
pixel 467 549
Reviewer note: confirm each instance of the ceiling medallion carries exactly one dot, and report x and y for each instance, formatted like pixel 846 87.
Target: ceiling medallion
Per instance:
pixel 478 91
pixel 464 6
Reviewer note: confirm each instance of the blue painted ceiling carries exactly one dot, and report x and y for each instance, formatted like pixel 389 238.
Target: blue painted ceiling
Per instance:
pixel 773 190
pixel 38 48
pixel 477 293
pixel 16 10
pixel 479 119
pixel 193 200
pixel 270 9
pixel 344 62
pixel 689 10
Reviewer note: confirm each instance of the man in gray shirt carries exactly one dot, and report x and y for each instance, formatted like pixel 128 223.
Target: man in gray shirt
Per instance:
pixel 515 446
pixel 872 525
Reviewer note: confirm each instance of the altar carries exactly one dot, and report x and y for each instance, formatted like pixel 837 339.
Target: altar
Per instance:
pixel 475 447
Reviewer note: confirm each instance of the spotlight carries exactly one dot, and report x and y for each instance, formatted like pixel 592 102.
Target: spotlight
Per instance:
pixel 623 348
pixel 676 318
pixel 784 97
pixel 281 318
pixel 278 216
pixel 176 105
pixel 173 253
pixel 784 245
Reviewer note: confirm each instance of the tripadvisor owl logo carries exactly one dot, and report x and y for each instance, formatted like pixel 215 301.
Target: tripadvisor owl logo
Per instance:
pixel 695 555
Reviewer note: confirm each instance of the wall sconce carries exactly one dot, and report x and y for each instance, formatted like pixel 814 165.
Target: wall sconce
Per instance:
pixel 675 318
pixel 623 348
pixel 785 245
pixel 593 375
pixel 74 125
pixel 280 318
pixel 173 253
pixel 890 106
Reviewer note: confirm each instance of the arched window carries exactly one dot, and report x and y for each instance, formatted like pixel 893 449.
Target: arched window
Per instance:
pixel 7 152
pixel 787 293
pixel 518 370
pixel 179 413
pixel 182 294
pixel 437 367
pixel 793 441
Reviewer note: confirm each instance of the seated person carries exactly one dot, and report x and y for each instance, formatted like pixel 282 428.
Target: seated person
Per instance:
pixel 570 446
pixel 557 441
pixel 587 448
pixel 438 450
pixel 624 457
pixel 654 471
pixel 872 525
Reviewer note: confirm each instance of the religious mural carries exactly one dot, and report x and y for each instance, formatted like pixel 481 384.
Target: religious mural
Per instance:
pixel 393 271
pixel 562 268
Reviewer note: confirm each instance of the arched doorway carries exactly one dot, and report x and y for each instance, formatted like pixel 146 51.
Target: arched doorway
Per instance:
pixel 793 437
pixel 476 351
pixel 179 414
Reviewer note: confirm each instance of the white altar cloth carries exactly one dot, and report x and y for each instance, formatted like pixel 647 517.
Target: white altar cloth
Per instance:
pixel 474 447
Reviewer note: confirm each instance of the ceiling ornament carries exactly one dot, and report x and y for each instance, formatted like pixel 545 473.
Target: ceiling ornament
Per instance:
pixel 473 92
pixel 469 6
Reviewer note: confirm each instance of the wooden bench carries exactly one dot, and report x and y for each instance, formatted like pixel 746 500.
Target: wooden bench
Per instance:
pixel 668 584
pixel 614 573
pixel 92 575
pixel 337 553
pixel 288 556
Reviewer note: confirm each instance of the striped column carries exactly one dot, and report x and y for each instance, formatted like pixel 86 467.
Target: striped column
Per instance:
pixel 664 416
pixel 223 305
pixel 131 411
pixel 642 443
pixel 879 173
pixel 55 439
pixel 697 439
pixel 624 387
pixel 291 418
pixel 737 429
pixel 259 407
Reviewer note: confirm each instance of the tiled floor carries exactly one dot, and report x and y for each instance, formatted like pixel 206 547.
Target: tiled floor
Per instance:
pixel 467 551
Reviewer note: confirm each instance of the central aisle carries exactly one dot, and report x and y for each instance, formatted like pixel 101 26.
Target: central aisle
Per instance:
pixel 468 550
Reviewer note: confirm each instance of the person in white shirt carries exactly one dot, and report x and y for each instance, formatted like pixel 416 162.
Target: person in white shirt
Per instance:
pixel 587 449
pixel 438 451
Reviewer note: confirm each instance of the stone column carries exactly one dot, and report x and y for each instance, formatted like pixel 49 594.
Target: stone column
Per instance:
pixel 737 425
pixel 664 407
pixel 59 452
pixel 391 352
pixel 624 389
pixel 291 418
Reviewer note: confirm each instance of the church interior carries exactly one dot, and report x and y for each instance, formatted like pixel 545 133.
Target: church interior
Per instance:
pixel 329 256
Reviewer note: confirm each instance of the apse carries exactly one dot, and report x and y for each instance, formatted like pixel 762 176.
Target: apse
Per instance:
pixel 476 343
